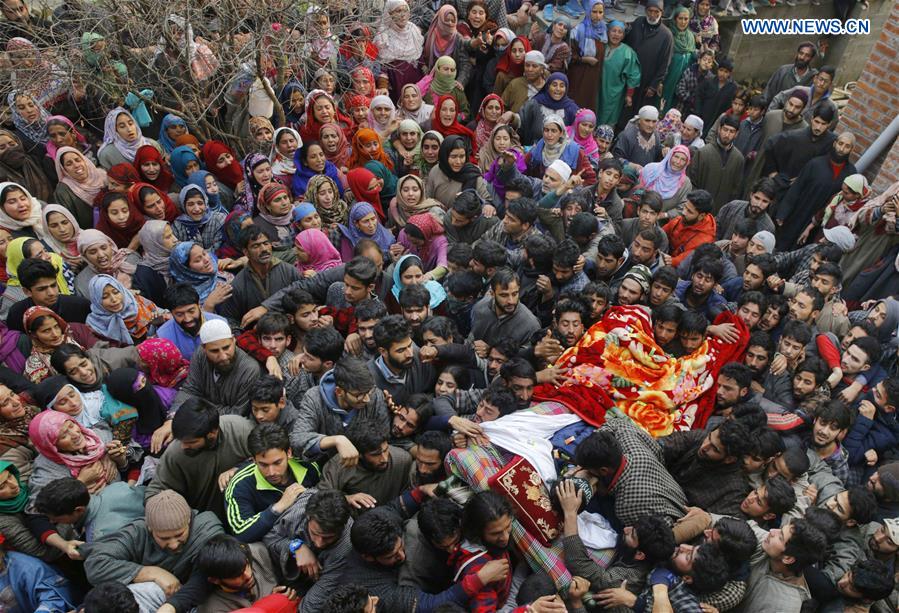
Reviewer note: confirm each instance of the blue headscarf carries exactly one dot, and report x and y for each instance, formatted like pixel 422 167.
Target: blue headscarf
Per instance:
pixel 587 33
pixel 284 98
pixel 301 179
pixel 213 201
pixel 566 104
pixel 167 122
pixel 108 324
pixel 179 159
pixel 352 233
pixel 438 294
pixel 203 282
pixel 302 211
pixel 193 226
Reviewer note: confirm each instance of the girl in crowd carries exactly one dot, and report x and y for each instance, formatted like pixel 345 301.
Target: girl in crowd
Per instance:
pixel 20 212
pixel 152 202
pixel 120 220
pixel 170 129
pixel 48 331
pixel 197 222
pixel 218 197
pixel 121 138
pixel 314 252
pixel 363 224
pixel 119 315
pixel 454 173
pixel 16 166
pixel 552 100
pixel 430 152
pixel 153 168
pixel 511 64
pixel 221 161
pixel 310 160
pixel 257 173
pixel 410 200
pixel 184 161
pixel 79 183
pixel 323 193
pixel 284 144
pixel 157 240
pixel 382 116
pixel 335 145
pixel 274 216
pixel 442 81
pixel 320 110
pixel 62 234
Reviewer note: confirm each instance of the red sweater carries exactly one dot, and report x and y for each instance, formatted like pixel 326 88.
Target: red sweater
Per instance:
pixel 683 239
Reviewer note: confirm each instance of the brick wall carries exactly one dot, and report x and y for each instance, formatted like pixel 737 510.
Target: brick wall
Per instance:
pixel 875 102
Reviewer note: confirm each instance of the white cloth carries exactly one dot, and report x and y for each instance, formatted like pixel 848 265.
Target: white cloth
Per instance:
pixel 527 434
pixel 596 531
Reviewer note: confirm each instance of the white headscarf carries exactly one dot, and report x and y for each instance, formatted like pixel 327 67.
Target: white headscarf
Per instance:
pixel 396 43
pixel 283 165
pixel 34 222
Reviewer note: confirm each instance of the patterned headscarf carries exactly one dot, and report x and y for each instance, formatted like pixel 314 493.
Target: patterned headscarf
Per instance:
pixel 167 366
pixel 111 137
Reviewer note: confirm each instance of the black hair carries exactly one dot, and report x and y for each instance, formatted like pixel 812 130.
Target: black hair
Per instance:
pixel 610 163
pixel 421 405
pixel 655 539
pixel 799 331
pixel 375 533
pixel 268 389
pixel 362 269
pixel 441 327
pixel 414 296
pixel 110 597
pixel 823 111
pixel 572 305
pixel 730 121
pixel 597 288
pixel 734 438
pixel 582 225
pixel 828 69
pixel 436 441
pixel 440 519
pixel 490 253
pixel 710 569
pixel 708 266
pixel 363 246
pixel 828 252
pixel 754 297
pixel 370 308
pixel 830 269
pixel 506 347
pixel 196 418
pixel 750 415
pixel 758 101
pixel 37 322
pixel 273 322
pixel 522 186
pixel 504 277
pixel 248 235
pixel 736 540
pixel 737 371
pixel 222 557
pixel 295 297
pixel 816 366
pixel 652 199
pixel 668 312
pixel 701 200
pixel 745 227
pixel 765 443
pixel 825 520
pixel 267 436
pixel 766 263
pixel 517 368
pixel 873 579
pixel 500 397
pixel 780 495
pixel 465 284
pixel 392 329
pixel 352 374
pixel 28 245
pixel 329 509
pixel 540 248
pixel 181 294
pixel 408 263
pixel 891 389
pixel 459 254
pixel 665 275
pixel 367 435
pixel 61 497
pixel 32 270
pixel 566 254
pixel 765 185
pixel 599 450
pixel 816 296
pixel 63 354
pixel 807 545
pixel 796 461
pixel 523 209
pixel 864 505
pixel 760 338
pixel 481 509
pixel 535 586
pixel 835 411
pixel 326 344
pixel 346 598
pixel 468 204
pixel 693 322
pixel 653 235
pixel 611 245
pixel 871 348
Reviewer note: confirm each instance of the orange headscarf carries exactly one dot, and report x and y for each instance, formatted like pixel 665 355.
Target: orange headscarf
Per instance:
pixel 363 137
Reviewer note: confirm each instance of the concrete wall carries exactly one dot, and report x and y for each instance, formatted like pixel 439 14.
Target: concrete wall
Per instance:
pixel 755 57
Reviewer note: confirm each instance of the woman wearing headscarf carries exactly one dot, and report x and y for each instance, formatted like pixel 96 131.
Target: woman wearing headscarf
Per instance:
pixel 588 41
pixel 491 113
pixel 285 143
pixel 274 216
pixel 197 221
pixel 257 173
pixel 183 161
pixel 61 132
pixel 363 224
pixel 669 179
pixel 503 138
pixel 359 51
pixel 511 64
pixel 705 27
pixel 382 116
pixel 320 110
pixel 261 132
pixel 366 187
pixel 582 134
pixel 555 145
pixel 79 183
pixel 47 332
pixel 314 252
pixel 367 147
pixel 684 54
pixel 620 76
pixel 323 194
pixel 163 362
pixel 423 236
pixel 16 166
pixel 119 179
pixel 404 147
pixel 292 98
pixel 412 106
pixel 222 162
pixel 407 271
pixel 119 315
pixel 30 120
pixel 132 388
pixel 841 209
pixel 62 234
pixel 553 43
pixel 120 220
pixel 104 257
pixel 236 221
pixel 218 197
pixel 430 151
pixel 310 161
pixel 399 43
pixel 68 449
pixel 121 138
pixel 552 100
pixel 388 183
pixel 190 263
pixel 20 212
pixel 15 446
pixel 152 202
pixel 445 120
pixel 444 39
pixel 335 145
pixel 152 168
pixel 171 128
pixel 454 173
pixel 31 69
pixel 410 200
pixel 442 81
pixel 157 240
pixel 13 524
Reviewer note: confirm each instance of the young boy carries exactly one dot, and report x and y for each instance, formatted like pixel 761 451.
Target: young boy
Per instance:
pixel 597 295
pixel 832 423
pixel 661 290
pixel 691 332
pixel 67 501
pixel 269 403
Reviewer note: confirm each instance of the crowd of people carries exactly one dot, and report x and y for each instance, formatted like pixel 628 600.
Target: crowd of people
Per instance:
pixel 499 307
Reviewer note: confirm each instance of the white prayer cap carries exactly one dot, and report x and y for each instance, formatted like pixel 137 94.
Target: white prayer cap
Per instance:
pixel 563 169
pixel 649 112
pixel 215 330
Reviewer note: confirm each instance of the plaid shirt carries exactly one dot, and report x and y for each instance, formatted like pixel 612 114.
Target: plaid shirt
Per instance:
pixel 795 265
pixel 643 486
pixel 210 235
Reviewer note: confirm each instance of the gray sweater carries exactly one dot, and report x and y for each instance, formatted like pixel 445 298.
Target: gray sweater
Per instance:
pixel 229 392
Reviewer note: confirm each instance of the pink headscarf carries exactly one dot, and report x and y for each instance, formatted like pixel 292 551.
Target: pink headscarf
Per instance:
pixel 660 177
pixel 322 254
pixel 93 185
pixel 44 432
pixel 51 148
pixel 589 144
pixel 167 366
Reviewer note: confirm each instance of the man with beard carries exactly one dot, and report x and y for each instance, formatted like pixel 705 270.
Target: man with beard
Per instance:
pixel 646 249
pixel 654 45
pixel 463 289
pixel 761 196
pixel 774 123
pixel 756 272
pixel 863 585
pixel 791 75
pixel 787 153
pixel 368 313
pixel 520 378
pixel 816 184
pixel 431 449
pixel 698 294
pixel 399 370
pixel 239 574
pixel 818 94
pixel 695 226
pixel 501 315
pixel 759 352
pixel 382 473
pixel 222 374
pixel 639 144
pixel 266 487
pixel 201 458
pixel 718 167
pixel 156 556
pixel 263 275
pixel 708 465
pixel 183 329
pixel 734 380
pixel 430 538
pixel 832 422
pixel 634 287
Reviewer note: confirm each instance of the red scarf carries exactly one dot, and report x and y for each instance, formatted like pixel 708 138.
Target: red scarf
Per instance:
pixel 230 175
pixel 505 63
pixel 454 128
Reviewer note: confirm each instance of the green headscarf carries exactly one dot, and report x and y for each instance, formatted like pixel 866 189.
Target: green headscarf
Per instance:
pixel 684 40
pixel 443 84
pixel 95 59
pixel 17 504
